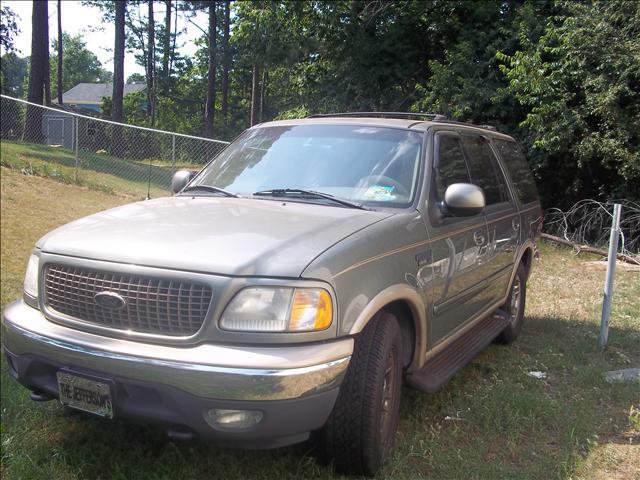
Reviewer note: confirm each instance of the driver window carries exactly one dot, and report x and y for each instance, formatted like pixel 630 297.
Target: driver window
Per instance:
pixel 451 166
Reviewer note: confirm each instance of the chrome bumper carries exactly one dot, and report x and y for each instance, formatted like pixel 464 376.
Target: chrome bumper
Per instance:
pixel 207 371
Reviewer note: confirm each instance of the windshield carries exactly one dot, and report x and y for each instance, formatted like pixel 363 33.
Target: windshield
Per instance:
pixel 364 164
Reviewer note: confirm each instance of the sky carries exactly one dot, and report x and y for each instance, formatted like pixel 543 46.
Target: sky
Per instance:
pixel 99 36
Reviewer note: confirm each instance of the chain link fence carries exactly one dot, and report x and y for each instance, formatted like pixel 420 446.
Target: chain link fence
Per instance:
pixel 109 156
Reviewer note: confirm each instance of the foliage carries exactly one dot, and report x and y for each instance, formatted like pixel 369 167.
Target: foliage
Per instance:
pixel 79 65
pixel 8 30
pixel 580 84
pixel 14 74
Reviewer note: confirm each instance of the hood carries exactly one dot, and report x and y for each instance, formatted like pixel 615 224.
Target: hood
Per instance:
pixel 227 236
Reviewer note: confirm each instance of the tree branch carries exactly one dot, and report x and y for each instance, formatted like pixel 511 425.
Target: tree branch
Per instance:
pixel 586 248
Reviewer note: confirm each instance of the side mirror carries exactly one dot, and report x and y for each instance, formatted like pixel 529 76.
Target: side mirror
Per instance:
pixel 180 180
pixel 463 200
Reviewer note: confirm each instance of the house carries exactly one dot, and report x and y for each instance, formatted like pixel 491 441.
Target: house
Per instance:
pixel 89 96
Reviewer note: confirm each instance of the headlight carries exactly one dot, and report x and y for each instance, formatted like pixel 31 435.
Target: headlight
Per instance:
pixel 267 309
pixel 31 277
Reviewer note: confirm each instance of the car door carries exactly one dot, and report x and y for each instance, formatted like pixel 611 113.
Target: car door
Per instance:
pixel 458 245
pixel 501 214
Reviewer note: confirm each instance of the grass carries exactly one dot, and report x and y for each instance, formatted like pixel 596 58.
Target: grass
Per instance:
pixel 98 171
pixel 508 425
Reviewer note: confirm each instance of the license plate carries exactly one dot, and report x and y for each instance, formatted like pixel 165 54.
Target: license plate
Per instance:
pixel 85 394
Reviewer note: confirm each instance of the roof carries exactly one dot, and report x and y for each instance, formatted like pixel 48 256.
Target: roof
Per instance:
pixel 378 122
pixel 92 93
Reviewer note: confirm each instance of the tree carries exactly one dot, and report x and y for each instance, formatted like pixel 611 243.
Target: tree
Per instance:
pixel 14 72
pixel 166 47
pixel 8 31
pixel 136 78
pixel 210 105
pixel 151 64
pixel 79 64
pixel 59 83
pixel 580 85
pixel 38 70
pixel 226 59
pixel 118 62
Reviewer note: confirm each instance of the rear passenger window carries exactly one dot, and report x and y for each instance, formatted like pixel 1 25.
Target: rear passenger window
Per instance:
pixel 518 169
pixel 484 169
pixel 451 167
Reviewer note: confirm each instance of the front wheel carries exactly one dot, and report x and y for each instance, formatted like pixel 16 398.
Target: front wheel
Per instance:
pixel 514 307
pixel 360 433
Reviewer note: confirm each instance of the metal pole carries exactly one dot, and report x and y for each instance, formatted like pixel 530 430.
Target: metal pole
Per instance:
pixel 173 155
pixel 76 120
pixel 608 282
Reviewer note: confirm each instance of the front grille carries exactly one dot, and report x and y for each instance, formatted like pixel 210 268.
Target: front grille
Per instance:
pixel 153 305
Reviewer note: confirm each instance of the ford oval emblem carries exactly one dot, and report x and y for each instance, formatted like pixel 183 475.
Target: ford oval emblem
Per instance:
pixel 110 300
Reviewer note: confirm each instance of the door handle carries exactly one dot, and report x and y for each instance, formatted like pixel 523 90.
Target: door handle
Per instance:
pixel 515 224
pixel 478 237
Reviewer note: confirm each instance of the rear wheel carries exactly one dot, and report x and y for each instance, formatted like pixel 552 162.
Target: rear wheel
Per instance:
pixel 514 307
pixel 360 433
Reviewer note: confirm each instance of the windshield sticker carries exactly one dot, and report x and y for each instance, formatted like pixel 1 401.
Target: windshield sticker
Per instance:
pixel 379 193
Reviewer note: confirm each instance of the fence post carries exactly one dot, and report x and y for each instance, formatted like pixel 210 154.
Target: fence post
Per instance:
pixel 173 155
pixel 75 121
pixel 608 282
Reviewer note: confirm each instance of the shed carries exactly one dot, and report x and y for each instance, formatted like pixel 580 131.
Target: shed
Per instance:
pixel 58 128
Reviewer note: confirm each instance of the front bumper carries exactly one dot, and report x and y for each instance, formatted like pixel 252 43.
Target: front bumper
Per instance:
pixel 295 387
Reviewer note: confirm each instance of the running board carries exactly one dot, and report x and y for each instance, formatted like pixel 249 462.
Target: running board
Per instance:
pixel 439 369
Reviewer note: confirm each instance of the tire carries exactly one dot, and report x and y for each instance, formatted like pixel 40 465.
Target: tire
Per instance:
pixel 360 433
pixel 514 307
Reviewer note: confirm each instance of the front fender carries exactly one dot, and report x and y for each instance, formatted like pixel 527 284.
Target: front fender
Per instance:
pixel 364 312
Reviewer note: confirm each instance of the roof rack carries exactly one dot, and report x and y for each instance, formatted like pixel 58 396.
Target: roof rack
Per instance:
pixel 434 117
pixel 408 115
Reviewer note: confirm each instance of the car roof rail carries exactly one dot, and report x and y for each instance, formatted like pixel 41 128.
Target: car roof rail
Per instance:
pixel 401 115
pixel 455 122
pixel 433 117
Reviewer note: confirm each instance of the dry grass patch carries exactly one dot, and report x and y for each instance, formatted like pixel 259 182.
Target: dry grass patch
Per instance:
pixel 31 207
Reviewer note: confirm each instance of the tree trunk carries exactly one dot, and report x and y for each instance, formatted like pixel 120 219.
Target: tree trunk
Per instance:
pixel 173 43
pixel 47 81
pixel 37 70
pixel 263 88
pixel 255 94
pixel 210 106
pixel 166 48
pixel 59 86
pixel 118 63
pixel 225 64
pixel 151 81
pixel 117 147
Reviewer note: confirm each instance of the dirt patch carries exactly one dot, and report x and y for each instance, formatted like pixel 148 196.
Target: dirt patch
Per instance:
pixel 602 265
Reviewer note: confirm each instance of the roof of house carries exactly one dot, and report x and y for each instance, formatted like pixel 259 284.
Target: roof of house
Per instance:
pixel 92 93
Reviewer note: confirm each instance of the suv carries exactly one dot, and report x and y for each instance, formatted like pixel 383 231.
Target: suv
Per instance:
pixel 289 287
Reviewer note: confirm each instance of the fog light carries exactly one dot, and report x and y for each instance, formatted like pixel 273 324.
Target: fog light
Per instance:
pixel 232 419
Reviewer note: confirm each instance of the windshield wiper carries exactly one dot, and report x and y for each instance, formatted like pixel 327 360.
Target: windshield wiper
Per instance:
pixel 284 192
pixel 210 188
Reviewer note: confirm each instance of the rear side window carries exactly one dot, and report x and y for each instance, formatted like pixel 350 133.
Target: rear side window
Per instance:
pixel 518 169
pixel 451 167
pixel 484 169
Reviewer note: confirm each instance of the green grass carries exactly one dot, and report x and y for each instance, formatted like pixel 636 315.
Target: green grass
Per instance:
pixel 98 171
pixel 572 425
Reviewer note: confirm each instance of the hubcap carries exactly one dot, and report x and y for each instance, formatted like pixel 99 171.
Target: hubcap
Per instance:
pixel 515 301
